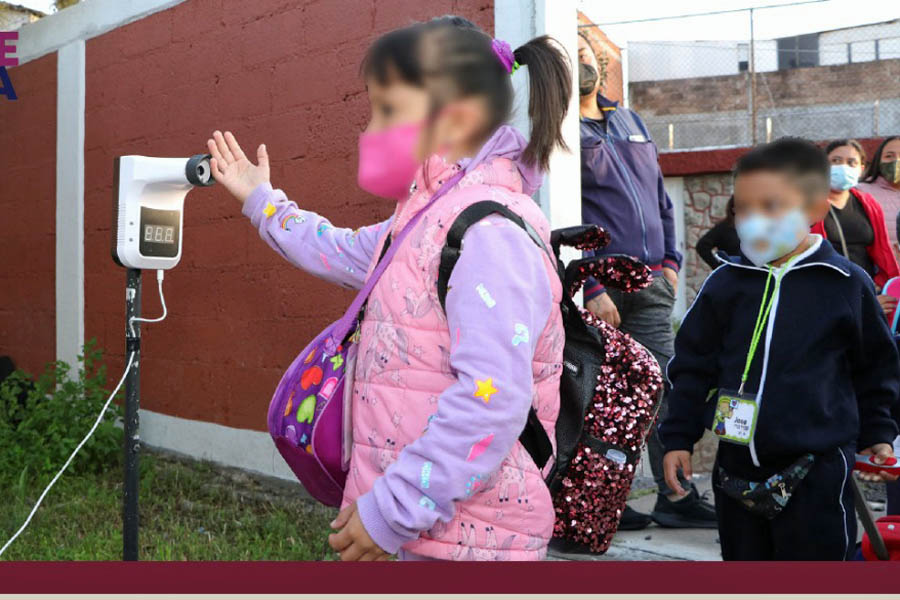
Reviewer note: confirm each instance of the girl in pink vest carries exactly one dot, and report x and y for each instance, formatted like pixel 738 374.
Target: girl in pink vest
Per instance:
pixel 440 397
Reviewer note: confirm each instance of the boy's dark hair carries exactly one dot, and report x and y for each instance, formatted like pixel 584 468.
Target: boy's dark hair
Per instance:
pixel 872 172
pixel 455 59
pixel 848 142
pixel 803 161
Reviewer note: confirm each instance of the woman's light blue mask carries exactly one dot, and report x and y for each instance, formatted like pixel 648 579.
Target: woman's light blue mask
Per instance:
pixel 843 177
pixel 764 239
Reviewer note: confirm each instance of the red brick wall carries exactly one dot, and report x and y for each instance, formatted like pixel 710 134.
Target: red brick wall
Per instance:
pixel 273 71
pixel 28 206
pixel 603 46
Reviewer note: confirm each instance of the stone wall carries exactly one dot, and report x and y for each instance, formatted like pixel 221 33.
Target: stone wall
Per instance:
pixel 705 198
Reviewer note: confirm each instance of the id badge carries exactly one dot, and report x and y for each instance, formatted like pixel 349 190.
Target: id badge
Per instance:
pixel 735 418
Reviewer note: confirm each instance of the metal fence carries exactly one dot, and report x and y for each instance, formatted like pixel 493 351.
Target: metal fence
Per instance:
pixel 822 85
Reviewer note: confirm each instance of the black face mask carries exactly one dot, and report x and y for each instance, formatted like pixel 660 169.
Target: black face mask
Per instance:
pixel 587 79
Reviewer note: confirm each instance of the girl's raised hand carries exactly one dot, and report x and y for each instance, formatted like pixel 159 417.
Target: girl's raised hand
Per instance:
pixel 233 169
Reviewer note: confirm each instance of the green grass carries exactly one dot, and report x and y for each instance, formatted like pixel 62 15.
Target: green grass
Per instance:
pixel 189 511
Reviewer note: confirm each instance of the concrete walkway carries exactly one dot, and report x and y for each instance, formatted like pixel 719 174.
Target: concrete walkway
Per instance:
pixel 658 543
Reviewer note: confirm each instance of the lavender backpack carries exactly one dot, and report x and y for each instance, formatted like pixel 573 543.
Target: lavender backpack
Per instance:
pixel 309 415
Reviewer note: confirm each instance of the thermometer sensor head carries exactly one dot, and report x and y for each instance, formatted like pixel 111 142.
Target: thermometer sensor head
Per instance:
pixel 148 207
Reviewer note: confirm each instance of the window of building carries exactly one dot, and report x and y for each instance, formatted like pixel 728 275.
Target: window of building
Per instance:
pixel 798 51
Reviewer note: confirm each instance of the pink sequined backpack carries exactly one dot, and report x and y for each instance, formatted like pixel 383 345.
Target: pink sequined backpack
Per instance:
pixel 610 386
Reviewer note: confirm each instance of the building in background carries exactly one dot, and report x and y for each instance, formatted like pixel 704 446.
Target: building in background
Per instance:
pixel 13 16
pixel 608 54
pixel 838 83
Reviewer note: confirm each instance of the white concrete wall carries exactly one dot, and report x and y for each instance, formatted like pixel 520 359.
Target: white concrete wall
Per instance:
pixel 517 22
pixel 833 44
pixel 658 60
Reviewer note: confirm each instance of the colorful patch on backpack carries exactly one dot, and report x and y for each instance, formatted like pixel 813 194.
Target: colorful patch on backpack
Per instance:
pixel 328 388
pixel 306 410
pixel 311 376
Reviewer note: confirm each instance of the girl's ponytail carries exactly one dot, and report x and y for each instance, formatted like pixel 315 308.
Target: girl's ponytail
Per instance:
pixel 550 88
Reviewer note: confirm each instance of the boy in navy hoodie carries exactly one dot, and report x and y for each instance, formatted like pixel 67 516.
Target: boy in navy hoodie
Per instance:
pixel 786 355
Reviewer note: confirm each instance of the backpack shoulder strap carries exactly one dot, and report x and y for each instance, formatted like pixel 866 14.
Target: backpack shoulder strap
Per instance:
pixel 534 437
pixel 468 217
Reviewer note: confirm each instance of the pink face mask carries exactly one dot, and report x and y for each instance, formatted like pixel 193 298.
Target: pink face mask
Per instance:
pixel 387 163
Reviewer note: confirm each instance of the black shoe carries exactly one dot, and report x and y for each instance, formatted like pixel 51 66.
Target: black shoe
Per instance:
pixel 633 520
pixel 692 511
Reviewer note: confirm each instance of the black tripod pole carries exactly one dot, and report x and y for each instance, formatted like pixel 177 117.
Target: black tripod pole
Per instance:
pixel 132 403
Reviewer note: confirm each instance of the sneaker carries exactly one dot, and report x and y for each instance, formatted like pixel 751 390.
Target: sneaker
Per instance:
pixel 633 520
pixel 691 512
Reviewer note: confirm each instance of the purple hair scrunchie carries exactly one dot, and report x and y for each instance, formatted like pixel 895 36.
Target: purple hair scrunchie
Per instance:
pixel 505 55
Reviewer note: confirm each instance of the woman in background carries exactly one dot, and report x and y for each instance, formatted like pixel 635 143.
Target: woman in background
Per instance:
pixel 722 237
pixel 882 181
pixel 855 223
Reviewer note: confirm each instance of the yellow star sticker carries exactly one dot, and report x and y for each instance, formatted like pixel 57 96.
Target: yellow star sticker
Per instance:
pixel 269 210
pixel 485 389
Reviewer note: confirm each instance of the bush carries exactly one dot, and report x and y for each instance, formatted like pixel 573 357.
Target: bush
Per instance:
pixel 42 420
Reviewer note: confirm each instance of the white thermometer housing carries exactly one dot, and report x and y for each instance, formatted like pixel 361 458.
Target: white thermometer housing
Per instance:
pixel 148 207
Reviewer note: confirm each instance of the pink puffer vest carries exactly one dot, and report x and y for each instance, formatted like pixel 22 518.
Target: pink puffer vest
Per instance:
pixel 403 369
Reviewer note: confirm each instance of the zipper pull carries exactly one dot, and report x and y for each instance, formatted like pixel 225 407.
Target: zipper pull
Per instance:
pixel 783 493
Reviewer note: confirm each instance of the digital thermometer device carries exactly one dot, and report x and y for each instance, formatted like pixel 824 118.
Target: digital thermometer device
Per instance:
pixel 148 211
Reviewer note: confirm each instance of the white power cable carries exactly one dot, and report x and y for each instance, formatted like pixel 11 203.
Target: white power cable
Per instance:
pixel 159 278
pixel 71 456
pixel 162 299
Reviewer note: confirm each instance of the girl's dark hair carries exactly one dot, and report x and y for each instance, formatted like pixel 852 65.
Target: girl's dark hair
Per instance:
pixel 729 211
pixel 454 59
pixel 872 173
pixel 847 142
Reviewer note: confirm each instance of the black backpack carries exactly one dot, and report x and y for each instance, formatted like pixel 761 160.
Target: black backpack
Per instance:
pixel 596 445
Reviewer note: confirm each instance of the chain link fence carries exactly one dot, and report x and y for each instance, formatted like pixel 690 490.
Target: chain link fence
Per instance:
pixel 713 94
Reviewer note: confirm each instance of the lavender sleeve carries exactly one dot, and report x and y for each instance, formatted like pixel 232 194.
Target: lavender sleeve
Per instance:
pixel 496 309
pixel 309 241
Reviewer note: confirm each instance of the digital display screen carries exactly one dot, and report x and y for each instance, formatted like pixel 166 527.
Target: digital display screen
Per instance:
pixel 159 234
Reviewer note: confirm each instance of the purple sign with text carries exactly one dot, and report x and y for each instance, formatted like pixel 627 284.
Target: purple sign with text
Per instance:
pixel 7 48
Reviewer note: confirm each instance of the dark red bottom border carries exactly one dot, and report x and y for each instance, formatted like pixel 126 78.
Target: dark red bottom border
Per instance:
pixel 448 578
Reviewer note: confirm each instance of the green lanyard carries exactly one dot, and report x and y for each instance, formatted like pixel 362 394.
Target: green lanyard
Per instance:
pixel 763 317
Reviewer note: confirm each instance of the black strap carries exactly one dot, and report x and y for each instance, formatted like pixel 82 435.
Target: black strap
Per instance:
pixel 534 437
pixel 468 217
pixel 362 309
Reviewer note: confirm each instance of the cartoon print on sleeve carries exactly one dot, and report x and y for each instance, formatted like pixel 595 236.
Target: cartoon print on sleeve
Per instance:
pixel 485 296
pixel 286 222
pixel 479 447
pixel 269 210
pixel 485 389
pixel 521 336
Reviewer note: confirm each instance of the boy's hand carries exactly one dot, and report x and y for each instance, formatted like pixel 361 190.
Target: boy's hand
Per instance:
pixel 888 304
pixel 672 461
pixel 352 541
pixel 232 169
pixel 603 308
pixel 881 452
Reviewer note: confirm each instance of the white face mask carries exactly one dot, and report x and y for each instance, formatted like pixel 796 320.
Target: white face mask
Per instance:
pixel 764 239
